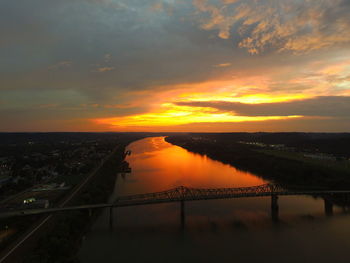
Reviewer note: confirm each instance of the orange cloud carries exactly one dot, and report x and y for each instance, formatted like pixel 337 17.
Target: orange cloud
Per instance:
pixel 164 111
pixel 104 69
pixel 163 104
pixel 172 115
pixel 222 65
pixel 298 26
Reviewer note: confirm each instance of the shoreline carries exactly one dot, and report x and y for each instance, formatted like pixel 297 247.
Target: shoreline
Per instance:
pixel 273 168
pixel 69 228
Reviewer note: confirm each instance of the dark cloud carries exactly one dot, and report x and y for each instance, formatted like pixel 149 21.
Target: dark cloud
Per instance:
pixel 70 53
pixel 285 125
pixel 325 106
pixel 146 48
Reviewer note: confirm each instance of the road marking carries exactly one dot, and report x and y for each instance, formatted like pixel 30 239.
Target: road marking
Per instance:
pixel 25 238
pixel 88 178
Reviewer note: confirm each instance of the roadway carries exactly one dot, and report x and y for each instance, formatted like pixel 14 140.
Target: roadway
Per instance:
pixel 181 194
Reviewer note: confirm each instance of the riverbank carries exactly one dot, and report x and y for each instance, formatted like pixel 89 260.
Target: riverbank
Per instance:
pixel 152 233
pixel 274 168
pixel 60 241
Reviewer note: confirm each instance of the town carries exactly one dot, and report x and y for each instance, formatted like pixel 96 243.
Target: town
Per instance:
pixel 38 172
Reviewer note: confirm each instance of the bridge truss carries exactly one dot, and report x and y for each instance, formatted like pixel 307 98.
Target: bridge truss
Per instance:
pixel 182 194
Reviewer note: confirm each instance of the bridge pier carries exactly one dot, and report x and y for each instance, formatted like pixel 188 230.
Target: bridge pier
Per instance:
pixel 111 219
pixel 274 208
pixel 182 214
pixel 328 207
pixel 90 212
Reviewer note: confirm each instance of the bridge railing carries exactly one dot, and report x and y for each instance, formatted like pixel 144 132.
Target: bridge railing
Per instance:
pixel 189 193
pixel 183 193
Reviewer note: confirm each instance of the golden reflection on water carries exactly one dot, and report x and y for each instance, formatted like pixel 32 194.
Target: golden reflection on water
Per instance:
pixel 216 230
pixel 161 165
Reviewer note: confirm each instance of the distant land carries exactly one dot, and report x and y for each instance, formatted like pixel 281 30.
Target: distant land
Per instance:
pixel 305 159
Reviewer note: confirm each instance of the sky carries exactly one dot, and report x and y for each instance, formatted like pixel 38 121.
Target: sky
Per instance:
pixel 175 65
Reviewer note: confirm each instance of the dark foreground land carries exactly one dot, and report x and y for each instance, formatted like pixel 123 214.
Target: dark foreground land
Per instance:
pixel 311 160
pixel 80 168
pixel 75 168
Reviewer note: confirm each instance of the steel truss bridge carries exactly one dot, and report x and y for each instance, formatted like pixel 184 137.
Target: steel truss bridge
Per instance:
pixel 183 194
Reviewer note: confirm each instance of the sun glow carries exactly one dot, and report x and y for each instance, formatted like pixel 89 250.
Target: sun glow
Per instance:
pixel 171 115
pixel 249 98
pixel 164 111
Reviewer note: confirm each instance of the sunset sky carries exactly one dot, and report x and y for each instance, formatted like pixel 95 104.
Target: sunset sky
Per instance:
pixel 175 65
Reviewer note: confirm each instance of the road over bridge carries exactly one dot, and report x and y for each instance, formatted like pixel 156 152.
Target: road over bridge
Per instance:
pixel 183 194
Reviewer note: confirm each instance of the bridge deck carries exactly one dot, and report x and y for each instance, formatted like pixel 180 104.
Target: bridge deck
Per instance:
pixel 182 193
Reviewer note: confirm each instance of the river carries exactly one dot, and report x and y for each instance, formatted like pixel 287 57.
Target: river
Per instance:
pixel 217 230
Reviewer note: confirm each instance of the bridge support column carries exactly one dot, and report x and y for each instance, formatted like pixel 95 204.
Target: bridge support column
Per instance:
pixel 182 215
pixel 328 207
pixel 111 219
pixel 274 208
pixel 90 212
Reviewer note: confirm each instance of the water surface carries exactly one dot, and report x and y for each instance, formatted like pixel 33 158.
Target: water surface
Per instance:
pixel 216 230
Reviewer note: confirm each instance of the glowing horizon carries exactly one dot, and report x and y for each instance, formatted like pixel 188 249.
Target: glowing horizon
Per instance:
pixel 169 114
pixel 159 65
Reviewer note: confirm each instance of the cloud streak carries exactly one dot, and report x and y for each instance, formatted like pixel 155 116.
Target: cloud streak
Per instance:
pixel 104 69
pixel 323 106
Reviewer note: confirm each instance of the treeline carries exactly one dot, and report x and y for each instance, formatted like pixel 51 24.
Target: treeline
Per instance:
pixel 273 168
pixel 332 143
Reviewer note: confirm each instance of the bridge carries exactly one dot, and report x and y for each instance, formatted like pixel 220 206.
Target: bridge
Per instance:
pixel 184 194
